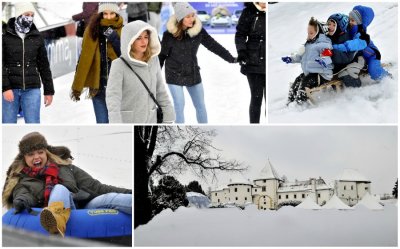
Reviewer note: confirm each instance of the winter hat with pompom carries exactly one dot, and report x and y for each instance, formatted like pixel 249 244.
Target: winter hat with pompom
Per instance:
pixel 111 6
pixel 22 7
pixel 182 9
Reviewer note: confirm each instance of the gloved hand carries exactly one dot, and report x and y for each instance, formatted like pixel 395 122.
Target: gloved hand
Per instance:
pixel 110 34
pixel 287 59
pixel 242 57
pixel 21 205
pixel 80 196
pixel 321 62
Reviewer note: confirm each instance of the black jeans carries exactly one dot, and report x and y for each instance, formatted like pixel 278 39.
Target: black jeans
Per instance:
pixel 297 89
pixel 257 90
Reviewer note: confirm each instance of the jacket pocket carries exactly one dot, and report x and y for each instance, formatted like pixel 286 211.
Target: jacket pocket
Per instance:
pixel 254 53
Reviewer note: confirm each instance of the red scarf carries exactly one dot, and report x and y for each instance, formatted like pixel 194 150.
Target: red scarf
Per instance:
pixel 49 172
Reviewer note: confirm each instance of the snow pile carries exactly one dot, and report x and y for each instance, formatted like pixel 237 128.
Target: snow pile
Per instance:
pixel 372 103
pixel 251 227
pixel 198 200
pixel 308 203
pixel 369 202
pixel 336 203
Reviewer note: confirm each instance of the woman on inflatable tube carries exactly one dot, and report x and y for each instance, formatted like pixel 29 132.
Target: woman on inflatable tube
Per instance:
pixel 44 176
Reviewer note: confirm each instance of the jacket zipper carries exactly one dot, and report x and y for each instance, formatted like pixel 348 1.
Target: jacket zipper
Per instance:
pixel 106 64
pixel 23 64
pixel 255 22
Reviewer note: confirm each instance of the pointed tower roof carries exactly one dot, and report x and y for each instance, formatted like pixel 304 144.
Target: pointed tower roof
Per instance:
pixel 268 172
pixel 352 175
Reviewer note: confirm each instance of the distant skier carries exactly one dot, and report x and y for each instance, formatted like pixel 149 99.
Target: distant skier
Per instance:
pixel 360 18
pixel 25 67
pixel 250 45
pixel 315 61
pixel 44 176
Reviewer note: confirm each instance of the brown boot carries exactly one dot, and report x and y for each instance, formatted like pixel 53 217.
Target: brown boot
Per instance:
pixel 54 218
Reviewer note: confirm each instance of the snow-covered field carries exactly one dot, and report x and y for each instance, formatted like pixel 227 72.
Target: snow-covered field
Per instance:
pixel 372 103
pixel 287 227
pixel 227 94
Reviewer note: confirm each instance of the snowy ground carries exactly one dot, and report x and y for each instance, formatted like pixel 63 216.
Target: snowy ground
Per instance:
pixel 105 152
pixel 373 103
pixel 227 94
pixel 287 227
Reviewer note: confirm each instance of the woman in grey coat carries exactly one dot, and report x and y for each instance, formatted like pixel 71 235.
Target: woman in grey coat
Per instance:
pixel 127 99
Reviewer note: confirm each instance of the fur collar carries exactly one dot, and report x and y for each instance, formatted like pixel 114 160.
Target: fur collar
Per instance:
pixel 193 31
pixel 259 7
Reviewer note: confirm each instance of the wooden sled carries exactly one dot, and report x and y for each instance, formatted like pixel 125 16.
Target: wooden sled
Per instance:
pixel 336 85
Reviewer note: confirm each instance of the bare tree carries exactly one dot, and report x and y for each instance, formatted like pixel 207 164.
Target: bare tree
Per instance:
pixel 161 150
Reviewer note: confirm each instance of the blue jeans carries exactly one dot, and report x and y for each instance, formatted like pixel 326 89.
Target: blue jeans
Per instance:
pixel 29 100
pixel 121 202
pixel 197 94
pixel 100 107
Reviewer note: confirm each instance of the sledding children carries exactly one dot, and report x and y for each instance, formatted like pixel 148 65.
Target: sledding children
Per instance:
pixel 25 67
pixel 179 47
pixel 44 176
pixel 315 62
pixel 347 64
pixel 360 18
pixel 100 46
pixel 128 101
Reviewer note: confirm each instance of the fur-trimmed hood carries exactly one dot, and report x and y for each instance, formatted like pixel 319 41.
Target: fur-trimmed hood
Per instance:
pixel 193 31
pixel 60 155
pixel 259 7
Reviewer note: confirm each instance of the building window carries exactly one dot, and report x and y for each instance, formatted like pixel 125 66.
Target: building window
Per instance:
pixel 303 196
pixel 287 196
pixel 265 203
pixel 248 190
pixel 245 198
pixel 264 189
pixel 236 198
pixel 218 200
pixel 279 197
pixel 235 189
pixel 264 181
pixel 319 195
pixel 351 187
pixel 295 196
pixel 215 194
pixel 366 188
pixel 344 187
pixel 255 190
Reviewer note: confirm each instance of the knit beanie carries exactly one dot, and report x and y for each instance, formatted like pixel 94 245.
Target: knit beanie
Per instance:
pixel 182 9
pixel 31 142
pixel 112 6
pixel 22 7
pixel 355 14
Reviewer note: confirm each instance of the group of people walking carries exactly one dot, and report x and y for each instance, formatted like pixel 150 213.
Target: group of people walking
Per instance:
pixel 120 66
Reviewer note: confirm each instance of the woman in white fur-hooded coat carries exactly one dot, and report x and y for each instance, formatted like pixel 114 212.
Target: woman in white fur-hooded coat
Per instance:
pixel 127 99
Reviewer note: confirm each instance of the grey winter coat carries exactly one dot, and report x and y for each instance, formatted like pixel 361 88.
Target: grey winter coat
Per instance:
pixel 313 51
pixel 127 99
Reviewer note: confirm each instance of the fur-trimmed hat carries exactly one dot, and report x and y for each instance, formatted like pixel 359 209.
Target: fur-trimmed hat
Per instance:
pixel 31 142
pixel 22 7
pixel 112 6
pixel 182 9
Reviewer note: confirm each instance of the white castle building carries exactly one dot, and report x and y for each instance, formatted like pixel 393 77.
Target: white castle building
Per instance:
pixel 270 190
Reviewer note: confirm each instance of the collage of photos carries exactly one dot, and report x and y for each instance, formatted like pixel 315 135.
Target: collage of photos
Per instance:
pixel 199 124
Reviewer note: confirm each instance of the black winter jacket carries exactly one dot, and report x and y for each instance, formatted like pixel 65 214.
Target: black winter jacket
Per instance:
pixel 341 59
pixel 25 62
pixel 250 37
pixel 180 56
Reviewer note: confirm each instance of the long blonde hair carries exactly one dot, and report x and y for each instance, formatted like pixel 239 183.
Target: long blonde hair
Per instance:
pixel 148 53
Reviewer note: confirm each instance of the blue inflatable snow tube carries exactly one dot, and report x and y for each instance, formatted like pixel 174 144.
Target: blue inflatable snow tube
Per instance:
pixel 83 223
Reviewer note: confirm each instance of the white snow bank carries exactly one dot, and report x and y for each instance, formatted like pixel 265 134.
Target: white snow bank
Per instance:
pixel 369 202
pixel 308 203
pixel 336 203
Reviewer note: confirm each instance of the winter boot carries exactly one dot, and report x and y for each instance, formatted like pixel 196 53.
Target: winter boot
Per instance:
pixel 54 218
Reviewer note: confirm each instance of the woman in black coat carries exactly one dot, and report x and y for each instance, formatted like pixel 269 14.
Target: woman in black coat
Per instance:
pixel 179 47
pixel 25 67
pixel 250 45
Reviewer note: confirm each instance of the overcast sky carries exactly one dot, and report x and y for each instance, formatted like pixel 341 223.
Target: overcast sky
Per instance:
pixel 301 152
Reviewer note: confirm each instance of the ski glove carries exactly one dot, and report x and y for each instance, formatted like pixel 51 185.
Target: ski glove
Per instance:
pixel 287 59
pixel 242 57
pixel 321 62
pixel 21 205
pixel 110 34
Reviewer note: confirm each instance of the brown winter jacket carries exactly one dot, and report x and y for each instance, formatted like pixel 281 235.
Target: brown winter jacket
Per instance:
pixel 30 189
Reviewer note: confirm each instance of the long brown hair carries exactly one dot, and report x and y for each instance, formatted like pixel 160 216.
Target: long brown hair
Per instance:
pixel 147 54
pixel 179 31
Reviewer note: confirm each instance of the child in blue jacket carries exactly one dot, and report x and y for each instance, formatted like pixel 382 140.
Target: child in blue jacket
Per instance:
pixel 360 18
pixel 316 64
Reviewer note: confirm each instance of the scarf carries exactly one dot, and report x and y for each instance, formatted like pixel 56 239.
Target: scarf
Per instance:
pixel 23 24
pixel 49 173
pixel 88 70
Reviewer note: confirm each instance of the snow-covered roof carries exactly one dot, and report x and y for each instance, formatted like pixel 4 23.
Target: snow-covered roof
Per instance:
pixel 302 186
pixel 268 172
pixel 190 194
pixel 239 180
pixel 335 203
pixel 308 203
pixel 352 175
pixel 369 202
